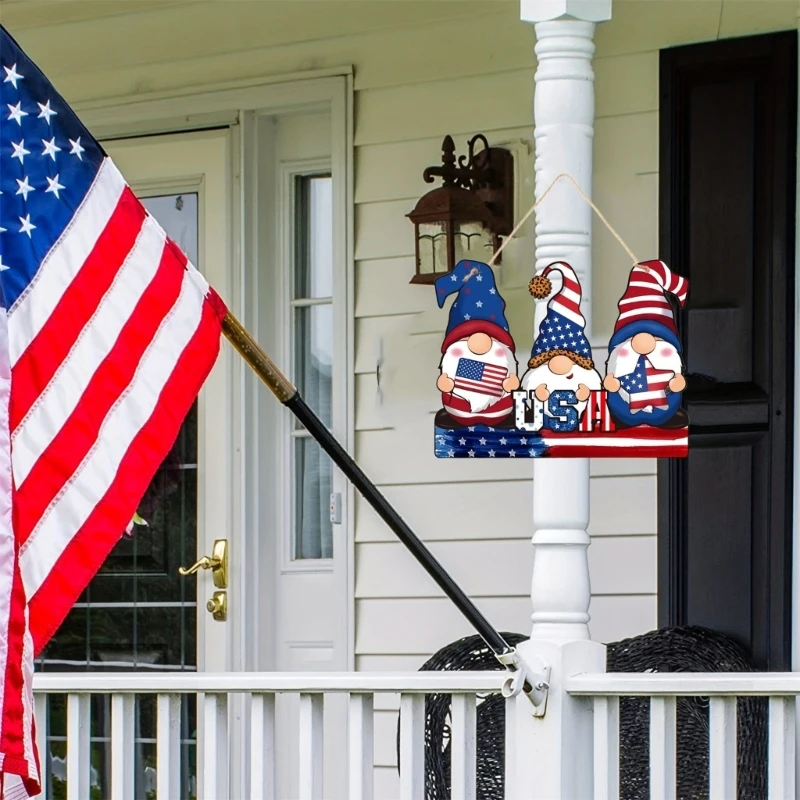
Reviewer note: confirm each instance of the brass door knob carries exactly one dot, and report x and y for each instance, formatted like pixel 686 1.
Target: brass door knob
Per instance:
pixel 218 606
pixel 217 562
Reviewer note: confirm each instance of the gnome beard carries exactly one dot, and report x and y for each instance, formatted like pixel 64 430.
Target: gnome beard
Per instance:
pixel 543 375
pixel 499 356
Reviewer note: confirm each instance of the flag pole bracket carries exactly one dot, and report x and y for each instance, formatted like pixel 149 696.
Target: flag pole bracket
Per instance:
pixel 532 680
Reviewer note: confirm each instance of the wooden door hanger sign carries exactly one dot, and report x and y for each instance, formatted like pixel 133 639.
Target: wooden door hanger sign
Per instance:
pixel 564 405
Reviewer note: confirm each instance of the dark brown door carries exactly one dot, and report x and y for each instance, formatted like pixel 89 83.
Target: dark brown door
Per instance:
pixel 727 219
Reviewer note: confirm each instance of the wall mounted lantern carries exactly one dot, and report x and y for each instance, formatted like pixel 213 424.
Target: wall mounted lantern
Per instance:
pixel 467 215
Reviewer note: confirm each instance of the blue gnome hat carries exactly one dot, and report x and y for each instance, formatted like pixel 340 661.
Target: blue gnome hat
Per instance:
pixel 479 308
pixel 562 332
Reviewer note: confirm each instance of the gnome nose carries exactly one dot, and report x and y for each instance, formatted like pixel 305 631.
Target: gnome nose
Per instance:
pixel 479 343
pixel 643 344
pixel 560 365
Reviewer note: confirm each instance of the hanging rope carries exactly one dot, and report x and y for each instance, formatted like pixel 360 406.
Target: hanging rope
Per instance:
pixel 542 197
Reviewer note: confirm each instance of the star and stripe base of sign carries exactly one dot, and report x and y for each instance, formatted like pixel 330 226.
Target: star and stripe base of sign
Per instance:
pixel 555 429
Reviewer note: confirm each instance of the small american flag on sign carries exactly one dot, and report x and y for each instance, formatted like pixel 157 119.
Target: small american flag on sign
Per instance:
pixel 475 376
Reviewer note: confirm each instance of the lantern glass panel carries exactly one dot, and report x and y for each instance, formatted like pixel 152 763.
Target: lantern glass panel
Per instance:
pixel 432 242
pixel 473 241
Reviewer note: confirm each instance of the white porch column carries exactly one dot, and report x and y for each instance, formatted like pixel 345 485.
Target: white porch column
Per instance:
pixel 554 759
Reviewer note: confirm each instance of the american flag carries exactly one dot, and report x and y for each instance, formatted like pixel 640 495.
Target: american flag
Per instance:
pixel 645 386
pixel 107 334
pixel 475 376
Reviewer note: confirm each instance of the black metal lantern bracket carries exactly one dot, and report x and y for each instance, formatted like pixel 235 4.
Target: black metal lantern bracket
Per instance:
pixel 489 173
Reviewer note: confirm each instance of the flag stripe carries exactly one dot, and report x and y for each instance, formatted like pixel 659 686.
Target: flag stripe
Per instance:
pixel 478 388
pixel 97 472
pixel 94 344
pixel 35 305
pixel 8 548
pixel 13 733
pixel 102 529
pixel 80 430
pixel 37 365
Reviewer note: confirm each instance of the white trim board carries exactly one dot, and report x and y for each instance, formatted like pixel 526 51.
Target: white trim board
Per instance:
pixel 218 105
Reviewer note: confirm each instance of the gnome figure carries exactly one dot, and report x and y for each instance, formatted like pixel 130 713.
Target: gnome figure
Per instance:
pixel 644 377
pixel 478 366
pixel 561 359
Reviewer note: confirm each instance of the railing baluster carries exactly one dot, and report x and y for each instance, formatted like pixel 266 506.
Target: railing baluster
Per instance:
pixel 510 766
pixel 311 760
pixel 214 766
pixel 663 751
pixel 412 746
pixel 781 755
pixel 360 748
pixel 168 745
pixel 463 745
pixel 40 717
pixel 722 748
pixel 78 746
pixel 606 748
pixel 262 747
pixel 123 732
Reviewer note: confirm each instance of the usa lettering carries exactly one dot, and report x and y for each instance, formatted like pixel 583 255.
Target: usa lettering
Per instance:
pixel 559 413
pixel 529 411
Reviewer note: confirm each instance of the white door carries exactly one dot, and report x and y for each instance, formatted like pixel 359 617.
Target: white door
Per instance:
pixel 138 613
pixel 183 181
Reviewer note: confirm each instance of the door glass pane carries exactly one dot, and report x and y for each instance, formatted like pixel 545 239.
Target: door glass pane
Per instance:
pixel 313 346
pixel 312 476
pixel 313 275
pixel 138 614
pixel 313 368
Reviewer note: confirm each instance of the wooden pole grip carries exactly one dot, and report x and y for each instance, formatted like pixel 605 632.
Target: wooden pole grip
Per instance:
pixel 259 361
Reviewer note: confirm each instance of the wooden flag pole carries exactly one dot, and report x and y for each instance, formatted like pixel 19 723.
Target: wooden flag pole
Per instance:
pixel 283 389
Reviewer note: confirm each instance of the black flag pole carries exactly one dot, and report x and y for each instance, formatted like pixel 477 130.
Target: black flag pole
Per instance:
pixel 288 395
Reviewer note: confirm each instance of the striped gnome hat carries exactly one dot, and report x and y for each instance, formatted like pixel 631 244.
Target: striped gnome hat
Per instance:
pixel 562 330
pixel 644 308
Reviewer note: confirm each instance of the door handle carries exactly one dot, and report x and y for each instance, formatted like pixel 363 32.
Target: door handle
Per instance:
pixel 217 563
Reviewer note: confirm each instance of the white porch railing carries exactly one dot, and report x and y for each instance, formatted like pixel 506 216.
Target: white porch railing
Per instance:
pixel 217 751
pixel 723 691
pixel 216 692
pixel 216 695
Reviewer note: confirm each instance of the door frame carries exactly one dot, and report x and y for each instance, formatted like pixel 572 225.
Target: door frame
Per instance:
pixel 235 105
pixel 795 664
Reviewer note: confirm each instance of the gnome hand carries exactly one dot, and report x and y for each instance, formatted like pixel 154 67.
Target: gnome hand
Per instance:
pixel 542 392
pixel 677 384
pixel 445 383
pixel 511 383
pixel 583 392
pixel 610 383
